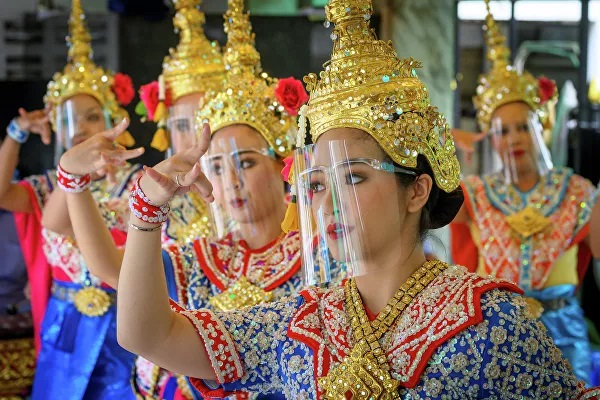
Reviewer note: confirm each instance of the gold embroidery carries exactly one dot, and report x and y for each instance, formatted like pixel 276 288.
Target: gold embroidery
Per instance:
pixel 365 373
pixel 239 295
pixel 528 222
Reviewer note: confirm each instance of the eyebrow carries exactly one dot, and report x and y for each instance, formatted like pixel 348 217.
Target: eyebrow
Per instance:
pixel 94 108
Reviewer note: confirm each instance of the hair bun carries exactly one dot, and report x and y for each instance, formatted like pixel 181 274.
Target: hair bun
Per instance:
pixel 446 208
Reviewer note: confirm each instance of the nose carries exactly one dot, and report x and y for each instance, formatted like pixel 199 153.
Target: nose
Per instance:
pixel 324 202
pixel 234 178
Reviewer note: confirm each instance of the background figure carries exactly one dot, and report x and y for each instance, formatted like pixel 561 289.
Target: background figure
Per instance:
pixel 526 220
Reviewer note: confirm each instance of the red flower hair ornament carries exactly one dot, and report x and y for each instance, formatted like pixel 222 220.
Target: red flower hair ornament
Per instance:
pixel 123 89
pixel 291 95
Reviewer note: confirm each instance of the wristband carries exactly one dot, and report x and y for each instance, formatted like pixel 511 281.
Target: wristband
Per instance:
pixel 72 183
pixel 144 209
pixel 16 133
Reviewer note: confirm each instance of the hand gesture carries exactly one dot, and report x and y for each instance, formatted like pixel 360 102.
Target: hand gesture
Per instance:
pixel 35 122
pixel 465 140
pixel 99 152
pixel 179 174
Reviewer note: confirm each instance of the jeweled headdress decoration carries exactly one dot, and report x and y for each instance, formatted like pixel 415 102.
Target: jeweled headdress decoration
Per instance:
pixel 366 86
pixel 196 64
pixel 82 76
pixel 503 84
pixel 249 95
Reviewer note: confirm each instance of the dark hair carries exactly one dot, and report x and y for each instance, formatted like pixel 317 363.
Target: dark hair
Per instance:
pixel 441 207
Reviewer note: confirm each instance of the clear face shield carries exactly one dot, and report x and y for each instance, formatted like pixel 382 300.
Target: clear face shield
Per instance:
pixel 182 127
pixel 349 206
pixel 518 148
pixel 243 186
pixel 78 119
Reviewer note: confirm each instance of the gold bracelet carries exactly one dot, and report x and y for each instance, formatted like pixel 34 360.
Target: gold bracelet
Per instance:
pixel 140 228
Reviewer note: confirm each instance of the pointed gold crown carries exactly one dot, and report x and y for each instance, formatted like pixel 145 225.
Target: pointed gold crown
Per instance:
pixel 81 75
pixel 366 86
pixel 196 64
pixel 248 94
pixel 503 84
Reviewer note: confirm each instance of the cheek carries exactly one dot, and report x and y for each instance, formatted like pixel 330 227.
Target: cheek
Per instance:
pixel 217 191
pixel 263 184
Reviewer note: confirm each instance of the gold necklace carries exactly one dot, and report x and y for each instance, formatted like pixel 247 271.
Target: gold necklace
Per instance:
pixel 365 372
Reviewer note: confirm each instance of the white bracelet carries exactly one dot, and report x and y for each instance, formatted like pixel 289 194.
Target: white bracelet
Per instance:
pixel 16 133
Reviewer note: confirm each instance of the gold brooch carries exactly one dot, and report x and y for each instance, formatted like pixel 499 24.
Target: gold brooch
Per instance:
pixel 242 293
pixel 361 376
pixel 528 222
pixel 92 301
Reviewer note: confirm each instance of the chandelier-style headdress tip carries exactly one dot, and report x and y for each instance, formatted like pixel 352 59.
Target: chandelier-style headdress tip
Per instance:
pixel 503 84
pixel 366 86
pixel 82 76
pixel 196 64
pixel 249 96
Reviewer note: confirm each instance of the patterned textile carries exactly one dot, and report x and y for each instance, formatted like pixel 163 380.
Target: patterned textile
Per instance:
pixel 462 337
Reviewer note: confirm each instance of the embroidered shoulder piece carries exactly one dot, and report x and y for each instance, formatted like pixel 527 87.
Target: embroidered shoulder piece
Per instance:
pixel 449 305
pixel 227 260
pixel 545 197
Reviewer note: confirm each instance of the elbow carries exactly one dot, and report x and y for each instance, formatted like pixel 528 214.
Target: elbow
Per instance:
pixel 134 334
pixel 128 340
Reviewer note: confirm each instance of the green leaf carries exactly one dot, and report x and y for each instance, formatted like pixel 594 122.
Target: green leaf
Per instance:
pixel 140 109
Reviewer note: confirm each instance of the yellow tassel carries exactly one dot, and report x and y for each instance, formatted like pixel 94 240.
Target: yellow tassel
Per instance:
pixel 160 113
pixel 290 222
pixel 125 139
pixel 160 141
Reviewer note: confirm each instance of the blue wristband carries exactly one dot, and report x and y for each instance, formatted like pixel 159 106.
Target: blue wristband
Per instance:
pixel 15 133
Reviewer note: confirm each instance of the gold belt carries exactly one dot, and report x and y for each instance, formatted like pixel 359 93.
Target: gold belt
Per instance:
pixel 89 300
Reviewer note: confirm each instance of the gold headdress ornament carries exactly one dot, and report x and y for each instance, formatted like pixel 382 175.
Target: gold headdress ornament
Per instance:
pixel 503 84
pixel 248 95
pixel 194 66
pixel 366 86
pixel 82 76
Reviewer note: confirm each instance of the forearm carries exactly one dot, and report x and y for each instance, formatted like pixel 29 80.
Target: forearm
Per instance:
pixel 146 325
pixel 56 214
pixel 144 312
pixel 12 197
pixel 94 240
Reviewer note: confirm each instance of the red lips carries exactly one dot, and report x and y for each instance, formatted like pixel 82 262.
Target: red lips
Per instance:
pixel 237 203
pixel 518 153
pixel 337 231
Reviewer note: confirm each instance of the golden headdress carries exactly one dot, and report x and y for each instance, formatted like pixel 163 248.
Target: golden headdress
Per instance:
pixel 366 86
pixel 196 64
pixel 503 84
pixel 82 76
pixel 249 96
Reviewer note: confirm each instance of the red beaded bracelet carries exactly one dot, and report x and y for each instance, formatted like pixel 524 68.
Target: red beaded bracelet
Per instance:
pixel 72 183
pixel 144 209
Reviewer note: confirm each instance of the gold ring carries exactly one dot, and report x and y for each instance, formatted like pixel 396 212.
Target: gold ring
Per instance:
pixel 177 180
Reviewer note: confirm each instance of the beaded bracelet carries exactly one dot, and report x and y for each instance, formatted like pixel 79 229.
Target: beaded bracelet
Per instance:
pixel 144 209
pixel 72 183
pixel 16 133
